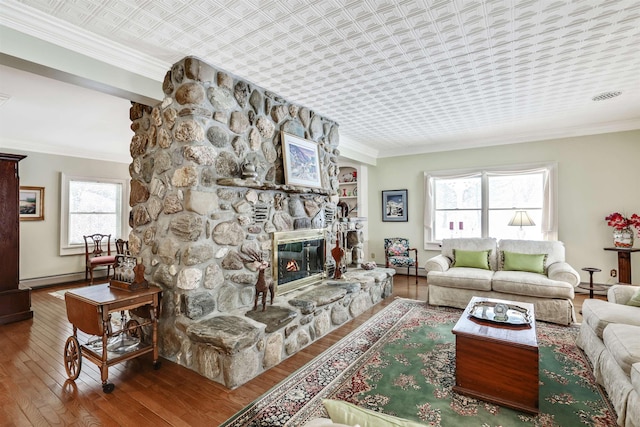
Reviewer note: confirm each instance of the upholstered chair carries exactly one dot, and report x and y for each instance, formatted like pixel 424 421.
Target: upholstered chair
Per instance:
pixel 397 254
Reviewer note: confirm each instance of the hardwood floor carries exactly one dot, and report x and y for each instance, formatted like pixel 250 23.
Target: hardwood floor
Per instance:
pixel 34 389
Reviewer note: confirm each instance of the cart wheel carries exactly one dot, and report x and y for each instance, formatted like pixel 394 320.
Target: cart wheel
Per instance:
pixel 156 365
pixel 133 329
pixel 108 387
pixel 72 357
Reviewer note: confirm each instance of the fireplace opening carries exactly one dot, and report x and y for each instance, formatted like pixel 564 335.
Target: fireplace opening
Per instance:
pixel 299 259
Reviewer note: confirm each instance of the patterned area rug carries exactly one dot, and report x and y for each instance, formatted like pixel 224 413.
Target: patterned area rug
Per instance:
pixel 402 362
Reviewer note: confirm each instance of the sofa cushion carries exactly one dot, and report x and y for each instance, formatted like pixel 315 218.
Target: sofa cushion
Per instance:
pixel 553 248
pixel 635 299
pixel 348 413
pixel 515 261
pixel 462 278
pixel 598 314
pixel 472 244
pixel 471 259
pixel 530 284
pixel 623 343
pixel 621 294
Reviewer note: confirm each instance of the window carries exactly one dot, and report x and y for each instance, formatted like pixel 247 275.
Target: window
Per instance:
pixel 88 206
pixel 481 203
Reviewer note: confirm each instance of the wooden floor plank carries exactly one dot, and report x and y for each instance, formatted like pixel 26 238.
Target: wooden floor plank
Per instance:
pixel 34 389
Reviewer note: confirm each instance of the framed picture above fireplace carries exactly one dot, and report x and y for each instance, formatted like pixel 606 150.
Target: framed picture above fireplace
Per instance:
pixel 301 161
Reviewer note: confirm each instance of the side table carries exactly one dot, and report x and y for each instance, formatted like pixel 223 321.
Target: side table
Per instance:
pixel 624 263
pixel 591 287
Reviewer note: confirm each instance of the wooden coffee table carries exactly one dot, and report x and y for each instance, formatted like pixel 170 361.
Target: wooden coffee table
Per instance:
pixel 497 362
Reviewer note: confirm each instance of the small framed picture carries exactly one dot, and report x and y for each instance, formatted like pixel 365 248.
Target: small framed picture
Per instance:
pixel 301 161
pixel 31 203
pixel 394 205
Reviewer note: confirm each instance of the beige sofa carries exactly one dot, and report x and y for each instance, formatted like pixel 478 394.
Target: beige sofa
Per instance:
pixel 610 337
pixel 551 291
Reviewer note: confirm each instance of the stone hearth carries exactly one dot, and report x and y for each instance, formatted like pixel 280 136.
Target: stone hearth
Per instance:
pixel 207 190
pixel 234 348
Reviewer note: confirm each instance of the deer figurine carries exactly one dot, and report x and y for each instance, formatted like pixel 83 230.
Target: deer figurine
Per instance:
pixel 263 284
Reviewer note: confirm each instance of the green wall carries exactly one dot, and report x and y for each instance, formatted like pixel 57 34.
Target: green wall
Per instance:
pixel 597 175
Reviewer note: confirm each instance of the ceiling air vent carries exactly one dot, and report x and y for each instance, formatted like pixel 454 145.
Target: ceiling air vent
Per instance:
pixel 606 95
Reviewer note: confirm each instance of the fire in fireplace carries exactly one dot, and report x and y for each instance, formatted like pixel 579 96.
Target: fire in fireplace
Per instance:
pixel 292 265
pixel 298 259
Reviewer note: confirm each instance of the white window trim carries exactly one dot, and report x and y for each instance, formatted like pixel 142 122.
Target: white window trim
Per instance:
pixel 79 249
pixel 549 223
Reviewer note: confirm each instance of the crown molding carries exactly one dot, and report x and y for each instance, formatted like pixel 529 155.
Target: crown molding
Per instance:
pixel 66 151
pixel 542 135
pixel 30 21
pixel 354 150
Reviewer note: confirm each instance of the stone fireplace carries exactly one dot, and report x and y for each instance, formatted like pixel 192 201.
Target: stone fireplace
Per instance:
pixel 207 190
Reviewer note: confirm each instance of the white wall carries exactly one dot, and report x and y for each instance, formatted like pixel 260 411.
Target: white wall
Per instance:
pixel 40 240
pixel 597 175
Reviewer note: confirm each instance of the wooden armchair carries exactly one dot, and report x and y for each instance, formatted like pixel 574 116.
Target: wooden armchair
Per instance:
pixel 122 247
pixel 95 255
pixel 397 254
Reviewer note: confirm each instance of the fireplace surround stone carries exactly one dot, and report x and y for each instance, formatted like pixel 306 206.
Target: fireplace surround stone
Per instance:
pixel 208 188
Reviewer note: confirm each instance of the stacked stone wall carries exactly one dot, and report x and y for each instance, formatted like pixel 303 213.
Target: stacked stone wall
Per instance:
pixel 207 190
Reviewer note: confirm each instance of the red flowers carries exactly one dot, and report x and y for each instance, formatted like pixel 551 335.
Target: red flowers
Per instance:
pixel 619 222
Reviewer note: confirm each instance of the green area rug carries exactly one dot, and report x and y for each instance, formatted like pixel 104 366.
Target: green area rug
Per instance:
pixel 402 362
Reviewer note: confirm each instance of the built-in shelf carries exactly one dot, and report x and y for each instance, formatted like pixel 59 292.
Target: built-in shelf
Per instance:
pixel 348 181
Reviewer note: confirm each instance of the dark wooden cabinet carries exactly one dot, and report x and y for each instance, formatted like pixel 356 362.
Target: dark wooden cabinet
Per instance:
pixel 15 303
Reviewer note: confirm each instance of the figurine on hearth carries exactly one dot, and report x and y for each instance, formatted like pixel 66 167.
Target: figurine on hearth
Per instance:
pixel 263 284
pixel 338 254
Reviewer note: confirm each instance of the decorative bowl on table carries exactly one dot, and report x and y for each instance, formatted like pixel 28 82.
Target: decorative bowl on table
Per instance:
pixel 498 312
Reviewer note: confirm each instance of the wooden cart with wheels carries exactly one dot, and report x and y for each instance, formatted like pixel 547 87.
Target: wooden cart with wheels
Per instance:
pixel 89 309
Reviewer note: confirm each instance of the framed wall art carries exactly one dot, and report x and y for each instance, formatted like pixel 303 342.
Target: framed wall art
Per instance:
pixel 394 206
pixel 31 203
pixel 301 161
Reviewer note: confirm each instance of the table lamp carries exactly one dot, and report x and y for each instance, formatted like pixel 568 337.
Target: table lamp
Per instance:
pixel 521 219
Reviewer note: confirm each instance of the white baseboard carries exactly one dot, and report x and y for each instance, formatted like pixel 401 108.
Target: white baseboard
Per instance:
pixel 412 271
pixel 46 281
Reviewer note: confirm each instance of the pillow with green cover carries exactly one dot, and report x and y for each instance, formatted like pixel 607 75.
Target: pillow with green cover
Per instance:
pixel 515 261
pixel 350 414
pixel 635 299
pixel 471 259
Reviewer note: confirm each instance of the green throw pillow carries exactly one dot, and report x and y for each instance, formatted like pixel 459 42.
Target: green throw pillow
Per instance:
pixel 635 299
pixel 347 413
pixel 472 259
pixel 533 263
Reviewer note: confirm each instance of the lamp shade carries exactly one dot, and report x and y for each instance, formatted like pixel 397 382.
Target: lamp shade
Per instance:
pixel 521 219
